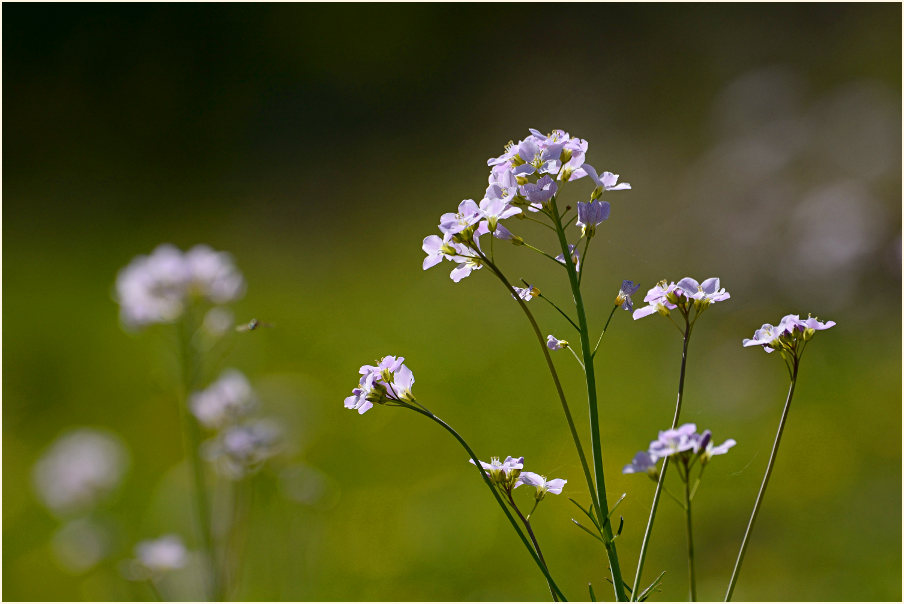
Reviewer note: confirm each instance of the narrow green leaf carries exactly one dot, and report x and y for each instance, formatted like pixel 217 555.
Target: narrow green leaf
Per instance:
pixel 588 531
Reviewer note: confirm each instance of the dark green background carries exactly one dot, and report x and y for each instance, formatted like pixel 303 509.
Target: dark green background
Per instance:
pixel 320 143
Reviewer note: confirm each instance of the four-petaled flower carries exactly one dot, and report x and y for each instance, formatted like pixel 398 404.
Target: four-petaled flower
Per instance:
pixel 390 380
pixel 503 473
pixel 543 485
pixel 643 462
pixel 789 332
pixel 575 257
pixel 704 293
pixel 623 298
pixel 590 215
pixel 553 343
pixel 526 293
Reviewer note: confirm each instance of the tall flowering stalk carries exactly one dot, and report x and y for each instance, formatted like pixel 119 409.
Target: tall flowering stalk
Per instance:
pixel 185 289
pixel 690 299
pixel 790 337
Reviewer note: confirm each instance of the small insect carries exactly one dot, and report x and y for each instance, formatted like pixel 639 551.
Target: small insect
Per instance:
pixel 252 325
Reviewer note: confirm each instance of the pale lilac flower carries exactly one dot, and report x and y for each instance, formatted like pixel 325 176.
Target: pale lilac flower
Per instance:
pixel 437 249
pixel 673 441
pixel 590 215
pixel 643 463
pixel 526 293
pixel 539 192
pixel 623 298
pixel 704 447
pixel 705 293
pixel 575 257
pixel 542 485
pixel 787 333
pixel 504 473
pixel 161 555
pixel 496 209
pixel 242 449
pixel 224 402
pixel 503 186
pixel 79 470
pixel 553 343
pixel 607 181
pixel 390 380
pixel 468 214
pixel 766 336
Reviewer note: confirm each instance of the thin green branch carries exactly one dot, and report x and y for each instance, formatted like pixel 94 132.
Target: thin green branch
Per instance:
pixel 762 491
pixel 495 491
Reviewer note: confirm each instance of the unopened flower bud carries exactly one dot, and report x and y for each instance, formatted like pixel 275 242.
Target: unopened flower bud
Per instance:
pixel 516 240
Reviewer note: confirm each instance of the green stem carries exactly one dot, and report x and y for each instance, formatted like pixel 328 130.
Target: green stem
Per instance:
pixel 555 379
pixel 584 256
pixel 605 328
pixel 552 584
pixel 539 251
pixel 533 538
pixel 665 465
pixel 617 581
pixel 759 497
pixel 690 542
pixel 192 436
pixel 561 312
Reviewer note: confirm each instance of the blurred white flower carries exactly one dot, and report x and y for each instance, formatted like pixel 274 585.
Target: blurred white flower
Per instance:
pixel 224 402
pixel 157 288
pixel 161 555
pixel 242 449
pixel 79 470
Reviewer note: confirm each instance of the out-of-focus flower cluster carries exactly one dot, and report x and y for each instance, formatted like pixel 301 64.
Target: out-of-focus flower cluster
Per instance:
pixel 523 179
pixel 683 442
pixel 159 287
pixel 788 335
pixel 665 297
pixel 241 444
pixel 508 475
pixel 80 470
pixel 386 382
pixel 155 557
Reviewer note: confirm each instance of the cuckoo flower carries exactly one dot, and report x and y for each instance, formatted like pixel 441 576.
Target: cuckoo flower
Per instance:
pixel 503 473
pixel 575 257
pixel 703 293
pixel 390 380
pixel 542 485
pixel 623 298
pixel 673 441
pixel 468 214
pixel 526 293
pixel 607 181
pixel 590 215
pixel 643 463
pixel 553 343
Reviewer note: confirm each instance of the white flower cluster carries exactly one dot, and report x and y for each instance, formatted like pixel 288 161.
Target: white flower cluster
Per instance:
pixel 79 470
pixel 157 288
pixel 241 444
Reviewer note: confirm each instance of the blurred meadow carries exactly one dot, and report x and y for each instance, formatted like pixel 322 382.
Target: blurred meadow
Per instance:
pixel 319 144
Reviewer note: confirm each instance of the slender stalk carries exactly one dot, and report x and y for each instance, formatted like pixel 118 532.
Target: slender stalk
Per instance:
pixel 596 447
pixel 665 464
pixel 605 328
pixel 534 554
pixel 192 439
pixel 555 379
pixel 761 493
pixel 561 312
pixel 690 542
pixel 584 256
pixel 533 538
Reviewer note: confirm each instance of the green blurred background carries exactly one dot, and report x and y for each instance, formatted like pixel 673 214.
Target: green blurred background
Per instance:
pixel 320 143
